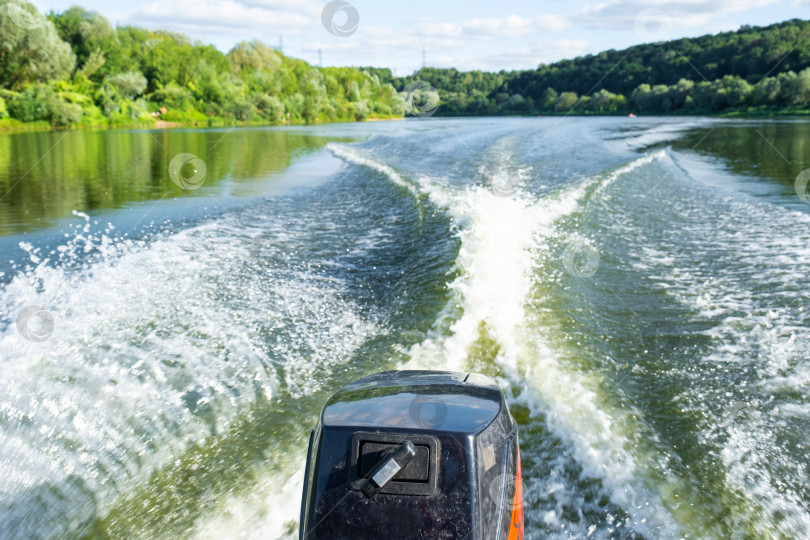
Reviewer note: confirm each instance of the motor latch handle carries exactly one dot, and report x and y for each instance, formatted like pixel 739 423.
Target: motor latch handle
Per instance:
pixel 387 468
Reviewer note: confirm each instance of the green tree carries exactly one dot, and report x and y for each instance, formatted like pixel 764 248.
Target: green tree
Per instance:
pixel 565 101
pixel 30 48
pixel 253 55
pixel 787 87
pixel 766 91
pixel 314 95
pixel 730 91
pixel 679 93
pixel 92 39
pixel 268 107
pixel 516 104
pixel 801 90
pixel 130 84
pixel 605 101
pixel 642 97
pixel 40 102
pixel 353 91
pixel 548 98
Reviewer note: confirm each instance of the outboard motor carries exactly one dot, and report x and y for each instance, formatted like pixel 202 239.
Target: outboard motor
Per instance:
pixel 416 455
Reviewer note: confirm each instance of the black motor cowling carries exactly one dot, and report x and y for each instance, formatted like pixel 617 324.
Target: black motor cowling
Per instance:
pixel 413 455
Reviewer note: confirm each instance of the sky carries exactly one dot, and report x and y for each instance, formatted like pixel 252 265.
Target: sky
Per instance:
pixel 401 35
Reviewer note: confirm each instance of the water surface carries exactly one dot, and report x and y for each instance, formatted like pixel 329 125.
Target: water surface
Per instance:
pixel 637 286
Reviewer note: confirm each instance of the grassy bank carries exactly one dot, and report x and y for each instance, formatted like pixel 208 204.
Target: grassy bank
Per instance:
pixel 11 125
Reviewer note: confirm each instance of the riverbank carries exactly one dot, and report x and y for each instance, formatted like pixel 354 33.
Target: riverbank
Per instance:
pixel 746 113
pixel 12 125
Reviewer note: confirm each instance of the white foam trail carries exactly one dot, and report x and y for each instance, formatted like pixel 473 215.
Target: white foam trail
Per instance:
pixel 347 154
pixel 597 440
pixel 495 276
pixel 630 167
pixel 737 264
pixel 496 263
pixel 145 360
pixel 797 379
pixel 750 325
pixel 663 132
pixel 270 510
pixel 497 235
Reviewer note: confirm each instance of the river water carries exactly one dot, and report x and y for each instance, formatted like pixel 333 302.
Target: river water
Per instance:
pixel 636 285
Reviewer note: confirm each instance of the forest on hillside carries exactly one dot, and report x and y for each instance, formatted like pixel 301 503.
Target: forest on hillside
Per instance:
pixel 753 69
pixel 75 69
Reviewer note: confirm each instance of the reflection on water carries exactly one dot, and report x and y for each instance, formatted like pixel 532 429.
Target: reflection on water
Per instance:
pixel 770 153
pixel 45 176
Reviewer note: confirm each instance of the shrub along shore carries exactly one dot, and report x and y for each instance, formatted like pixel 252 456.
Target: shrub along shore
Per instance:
pixel 74 69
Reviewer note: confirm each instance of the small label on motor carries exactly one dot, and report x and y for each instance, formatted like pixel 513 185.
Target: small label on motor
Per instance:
pixel 489 457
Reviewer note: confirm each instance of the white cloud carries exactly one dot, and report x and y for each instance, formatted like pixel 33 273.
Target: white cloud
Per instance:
pixel 622 14
pixel 381 39
pixel 489 44
pixel 505 27
pixel 528 57
pixel 335 46
pixel 447 40
pixel 313 7
pixel 541 52
pixel 201 16
pixel 723 27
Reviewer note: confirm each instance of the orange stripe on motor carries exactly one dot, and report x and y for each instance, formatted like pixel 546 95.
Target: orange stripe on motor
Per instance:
pixel 516 523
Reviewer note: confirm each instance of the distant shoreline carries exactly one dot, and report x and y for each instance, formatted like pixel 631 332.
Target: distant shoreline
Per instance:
pixel 15 126
pixel 32 127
